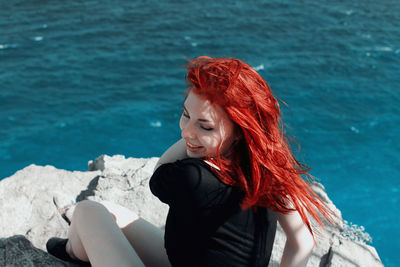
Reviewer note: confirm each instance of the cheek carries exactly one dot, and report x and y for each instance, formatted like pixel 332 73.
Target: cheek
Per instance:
pixel 210 142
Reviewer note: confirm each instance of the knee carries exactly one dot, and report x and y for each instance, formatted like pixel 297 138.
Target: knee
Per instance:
pixel 87 208
pixel 87 204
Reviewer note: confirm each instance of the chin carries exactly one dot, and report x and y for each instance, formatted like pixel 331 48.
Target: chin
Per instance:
pixel 194 154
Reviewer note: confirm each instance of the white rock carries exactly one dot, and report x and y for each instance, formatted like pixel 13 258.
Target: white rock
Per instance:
pixel 29 217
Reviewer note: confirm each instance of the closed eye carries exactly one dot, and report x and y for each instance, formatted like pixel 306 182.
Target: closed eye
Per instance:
pixel 186 115
pixel 206 128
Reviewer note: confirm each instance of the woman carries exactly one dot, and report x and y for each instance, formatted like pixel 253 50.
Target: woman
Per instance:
pixel 227 182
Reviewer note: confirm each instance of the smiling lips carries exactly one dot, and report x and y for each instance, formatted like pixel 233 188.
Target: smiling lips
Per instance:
pixel 192 147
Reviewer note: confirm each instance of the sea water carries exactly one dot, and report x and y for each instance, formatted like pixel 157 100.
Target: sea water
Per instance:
pixel 83 78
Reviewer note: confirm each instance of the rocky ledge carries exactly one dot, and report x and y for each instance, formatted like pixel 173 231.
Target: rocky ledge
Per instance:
pixel 29 217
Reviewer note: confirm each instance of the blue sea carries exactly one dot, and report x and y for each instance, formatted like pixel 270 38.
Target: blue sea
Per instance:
pixel 83 78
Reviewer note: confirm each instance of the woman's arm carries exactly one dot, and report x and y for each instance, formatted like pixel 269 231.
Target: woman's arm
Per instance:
pixel 299 241
pixel 175 152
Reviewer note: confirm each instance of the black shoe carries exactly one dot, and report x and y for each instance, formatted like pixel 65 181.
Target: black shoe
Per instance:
pixel 57 247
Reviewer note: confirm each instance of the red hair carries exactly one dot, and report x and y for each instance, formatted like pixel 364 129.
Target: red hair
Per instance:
pixel 262 164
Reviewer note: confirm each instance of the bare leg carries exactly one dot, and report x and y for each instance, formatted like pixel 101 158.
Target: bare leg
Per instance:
pixel 146 239
pixel 95 236
pixel 148 242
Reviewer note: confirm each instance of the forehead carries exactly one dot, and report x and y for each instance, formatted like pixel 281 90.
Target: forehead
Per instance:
pixel 203 109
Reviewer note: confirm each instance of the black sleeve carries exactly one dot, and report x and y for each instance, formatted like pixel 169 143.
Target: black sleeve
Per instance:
pixel 189 183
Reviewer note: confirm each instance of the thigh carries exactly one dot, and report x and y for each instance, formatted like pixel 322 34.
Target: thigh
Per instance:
pixel 146 239
pixel 148 242
pixel 100 238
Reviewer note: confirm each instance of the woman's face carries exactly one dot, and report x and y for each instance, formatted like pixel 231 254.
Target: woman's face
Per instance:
pixel 204 127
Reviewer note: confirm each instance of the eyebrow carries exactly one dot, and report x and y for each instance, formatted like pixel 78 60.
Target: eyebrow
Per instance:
pixel 202 120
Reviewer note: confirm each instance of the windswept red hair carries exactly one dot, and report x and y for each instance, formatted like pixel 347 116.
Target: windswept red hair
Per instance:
pixel 262 164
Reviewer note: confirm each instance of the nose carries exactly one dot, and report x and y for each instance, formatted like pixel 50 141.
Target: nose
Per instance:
pixel 188 131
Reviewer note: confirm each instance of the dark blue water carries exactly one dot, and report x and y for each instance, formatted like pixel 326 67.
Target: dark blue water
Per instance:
pixel 83 78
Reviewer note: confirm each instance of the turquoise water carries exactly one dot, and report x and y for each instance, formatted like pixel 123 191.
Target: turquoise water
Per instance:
pixel 81 79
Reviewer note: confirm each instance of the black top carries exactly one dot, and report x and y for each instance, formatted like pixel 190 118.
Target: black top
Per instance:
pixel 205 225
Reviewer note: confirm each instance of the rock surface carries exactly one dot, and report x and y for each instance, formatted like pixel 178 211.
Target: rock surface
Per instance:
pixel 29 217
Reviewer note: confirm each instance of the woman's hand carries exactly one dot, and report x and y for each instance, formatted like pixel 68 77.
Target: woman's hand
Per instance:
pixel 299 241
pixel 175 152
